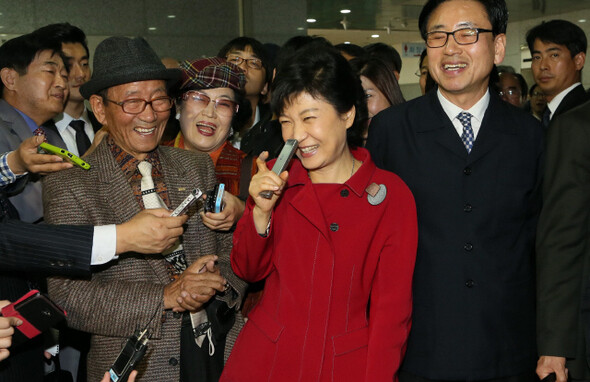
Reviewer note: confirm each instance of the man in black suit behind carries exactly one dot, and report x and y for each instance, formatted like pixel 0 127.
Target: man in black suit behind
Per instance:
pixel 558 50
pixel 476 181
pixel 563 250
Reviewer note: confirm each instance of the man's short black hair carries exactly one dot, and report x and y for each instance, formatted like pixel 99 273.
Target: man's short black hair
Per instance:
pixel 65 33
pixel 240 43
pixel 296 43
pixel 496 10
pixel 352 50
pixel 386 53
pixel 560 32
pixel 19 52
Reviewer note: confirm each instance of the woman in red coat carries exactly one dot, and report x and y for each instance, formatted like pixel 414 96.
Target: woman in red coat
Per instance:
pixel 336 243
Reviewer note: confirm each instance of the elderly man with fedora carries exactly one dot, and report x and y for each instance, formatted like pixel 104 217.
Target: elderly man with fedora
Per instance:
pixel 186 297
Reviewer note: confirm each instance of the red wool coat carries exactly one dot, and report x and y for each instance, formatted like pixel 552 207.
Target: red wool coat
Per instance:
pixel 329 252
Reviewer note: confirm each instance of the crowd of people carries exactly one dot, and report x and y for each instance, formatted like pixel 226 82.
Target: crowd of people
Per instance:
pixel 442 238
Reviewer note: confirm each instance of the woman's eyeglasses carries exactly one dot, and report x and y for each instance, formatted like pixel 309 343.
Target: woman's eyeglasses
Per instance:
pixel 223 106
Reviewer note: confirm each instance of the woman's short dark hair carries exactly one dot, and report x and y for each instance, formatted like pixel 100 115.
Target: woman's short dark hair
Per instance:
pixel 378 72
pixel 496 9
pixel 323 74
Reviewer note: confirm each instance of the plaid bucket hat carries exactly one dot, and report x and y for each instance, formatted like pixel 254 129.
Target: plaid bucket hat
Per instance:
pixel 210 73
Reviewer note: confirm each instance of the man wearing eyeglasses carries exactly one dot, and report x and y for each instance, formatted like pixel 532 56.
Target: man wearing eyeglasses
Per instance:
pixel 129 172
pixel 513 88
pixel 260 134
pixel 473 164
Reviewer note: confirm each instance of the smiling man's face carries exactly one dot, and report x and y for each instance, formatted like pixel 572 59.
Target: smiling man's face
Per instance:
pixel 41 92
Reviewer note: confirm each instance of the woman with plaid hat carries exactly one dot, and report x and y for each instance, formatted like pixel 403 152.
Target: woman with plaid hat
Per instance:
pixel 210 102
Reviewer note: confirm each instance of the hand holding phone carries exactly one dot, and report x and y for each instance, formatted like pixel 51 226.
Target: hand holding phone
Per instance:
pixel 129 357
pixel 214 201
pixel 37 313
pixel 65 154
pixel 282 162
pixel 187 202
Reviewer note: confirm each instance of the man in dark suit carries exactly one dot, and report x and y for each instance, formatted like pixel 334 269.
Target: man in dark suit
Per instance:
pixel 558 50
pixel 563 250
pixel 472 162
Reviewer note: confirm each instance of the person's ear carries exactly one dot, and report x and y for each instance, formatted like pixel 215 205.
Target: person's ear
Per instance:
pixel 9 78
pixel 499 48
pixel 349 117
pixel 98 108
pixel 264 89
pixel 580 60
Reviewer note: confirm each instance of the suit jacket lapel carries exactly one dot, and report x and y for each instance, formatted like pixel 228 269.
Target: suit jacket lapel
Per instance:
pixel 493 130
pixel 15 120
pixel 575 97
pixel 53 135
pixel 438 124
pixel 178 186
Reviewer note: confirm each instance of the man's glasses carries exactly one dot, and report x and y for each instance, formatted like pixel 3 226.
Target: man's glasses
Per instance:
pixel 137 106
pixel 252 63
pixel 509 92
pixel 223 106
pixel 463 36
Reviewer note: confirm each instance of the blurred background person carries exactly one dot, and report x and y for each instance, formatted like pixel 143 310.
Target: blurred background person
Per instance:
pixel 538 102
pixel 512 88
pixel 426 82
pixel 351 51
pixel 388 54
pixel 380 86
pixel 251 56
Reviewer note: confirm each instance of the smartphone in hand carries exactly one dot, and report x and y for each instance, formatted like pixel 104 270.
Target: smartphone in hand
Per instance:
pixel 282 162
pixel 37 312
pixel 65 154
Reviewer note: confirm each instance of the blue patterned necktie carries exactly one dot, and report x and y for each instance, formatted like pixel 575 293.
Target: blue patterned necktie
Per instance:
pixel 467 137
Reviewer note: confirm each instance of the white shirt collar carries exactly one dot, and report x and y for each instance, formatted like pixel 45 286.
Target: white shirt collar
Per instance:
pixel 477 111
pixel 62 121
pixel 556 101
